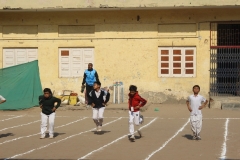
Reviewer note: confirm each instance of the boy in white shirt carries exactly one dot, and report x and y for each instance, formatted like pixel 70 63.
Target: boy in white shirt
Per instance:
pixel 2 99
pixel 195 104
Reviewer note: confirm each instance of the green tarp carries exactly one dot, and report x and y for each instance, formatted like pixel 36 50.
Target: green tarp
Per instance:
pixel 20 85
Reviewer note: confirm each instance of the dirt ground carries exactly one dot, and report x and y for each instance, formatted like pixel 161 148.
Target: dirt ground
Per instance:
pixel 166 135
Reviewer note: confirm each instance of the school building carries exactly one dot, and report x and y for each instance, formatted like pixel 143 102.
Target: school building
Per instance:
pixel 163 47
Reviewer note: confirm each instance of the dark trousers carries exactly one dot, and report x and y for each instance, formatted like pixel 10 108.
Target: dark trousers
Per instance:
pixel 88 90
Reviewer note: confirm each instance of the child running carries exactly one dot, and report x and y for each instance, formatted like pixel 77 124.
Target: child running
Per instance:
pixel 98 99
pixel 135 102
pixel 47 104
pixel 195 104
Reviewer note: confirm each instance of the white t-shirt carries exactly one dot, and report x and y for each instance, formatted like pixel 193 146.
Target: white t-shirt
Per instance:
pixel 2 98
pixel 195 103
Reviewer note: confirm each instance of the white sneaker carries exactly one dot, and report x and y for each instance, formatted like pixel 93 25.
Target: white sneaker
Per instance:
pixel 42 136
pixel 51 137
pixel 141 119
pixel 132 137
pixel 99 129
pixel 194 137
pixel 139 133
pixel 199 138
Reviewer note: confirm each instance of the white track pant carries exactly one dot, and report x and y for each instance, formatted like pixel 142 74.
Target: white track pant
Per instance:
pixel 196 124
pixel 134 118
pixel 98 115
pixel 45 119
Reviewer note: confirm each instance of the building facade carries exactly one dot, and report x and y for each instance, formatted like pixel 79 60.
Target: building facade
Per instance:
pixel 163 48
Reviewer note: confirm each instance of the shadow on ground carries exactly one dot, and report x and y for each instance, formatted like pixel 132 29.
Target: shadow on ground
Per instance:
pixel 58 134
pixel 101 132
pixel 188 136
pixel 6 135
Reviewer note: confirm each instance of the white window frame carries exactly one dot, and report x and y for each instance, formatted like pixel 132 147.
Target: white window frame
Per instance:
pixel 27 51
pixel 183 69
pixel 84 66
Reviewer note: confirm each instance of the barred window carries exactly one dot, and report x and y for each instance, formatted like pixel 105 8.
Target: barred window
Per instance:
pixel 177 62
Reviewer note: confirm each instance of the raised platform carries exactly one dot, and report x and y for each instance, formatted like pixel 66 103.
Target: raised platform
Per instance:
pixel 225 103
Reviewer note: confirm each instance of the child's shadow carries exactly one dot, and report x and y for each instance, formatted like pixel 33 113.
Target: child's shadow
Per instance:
pixel 6 135
pixel 188 136
pixel 58 134
pixel 100 132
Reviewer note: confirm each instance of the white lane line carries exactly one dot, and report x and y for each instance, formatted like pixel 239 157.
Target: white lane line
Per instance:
pixel 221 118
pixel 11 118
pixel 224 146
pixel 45 146
pixel 124 136
pixel 20 125
pixel 15 139
pixel 149 156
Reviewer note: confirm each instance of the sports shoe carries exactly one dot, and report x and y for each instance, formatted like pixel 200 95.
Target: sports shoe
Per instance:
pixel 51 137
pixel 132 137
pixel 139 133
pixel 142 121
pixel 99 129
pixel 42 136
pixel 194 137
pixel 199 138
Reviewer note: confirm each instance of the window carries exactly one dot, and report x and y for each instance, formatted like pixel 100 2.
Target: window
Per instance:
pixel 74 61
pixel 16 56
pixel 177 62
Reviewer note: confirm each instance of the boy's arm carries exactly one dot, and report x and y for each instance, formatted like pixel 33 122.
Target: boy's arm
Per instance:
pixel 58 103
pixel 107 98
pixel 96 76
pixel 84 78
pixel 188 105
pixel 204 104
pixel 90 100
pixel 142 101
pixel 40 101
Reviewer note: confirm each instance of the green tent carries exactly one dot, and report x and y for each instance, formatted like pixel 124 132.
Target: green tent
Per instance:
pixel 20 85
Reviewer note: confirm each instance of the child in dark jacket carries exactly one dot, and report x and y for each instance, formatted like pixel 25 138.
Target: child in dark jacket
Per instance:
pixel 47 104
pixel 135 102
pixel 98 99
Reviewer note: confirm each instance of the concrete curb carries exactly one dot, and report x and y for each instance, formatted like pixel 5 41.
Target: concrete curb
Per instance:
pixel 230 106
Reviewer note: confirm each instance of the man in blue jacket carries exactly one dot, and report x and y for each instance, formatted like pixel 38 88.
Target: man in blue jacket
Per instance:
pixel 90 76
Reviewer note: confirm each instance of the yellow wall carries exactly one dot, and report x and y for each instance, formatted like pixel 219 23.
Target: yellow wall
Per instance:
pixel 124 49
pixel 92 4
